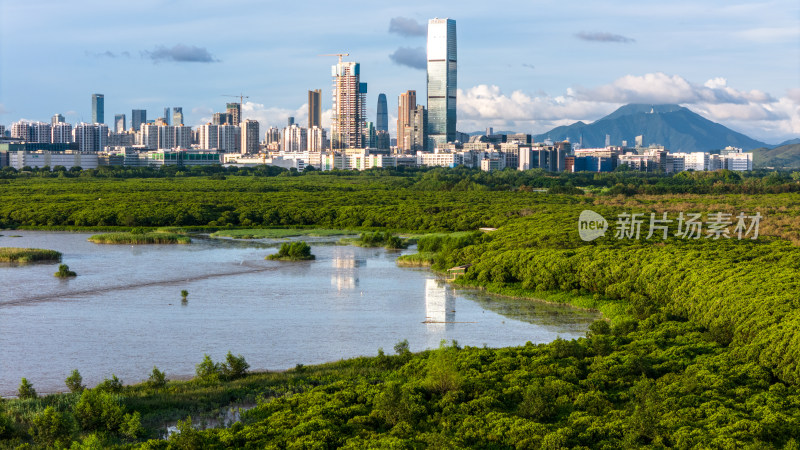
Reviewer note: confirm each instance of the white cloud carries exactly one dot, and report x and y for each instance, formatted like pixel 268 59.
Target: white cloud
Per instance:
pixel 754 113
pixel 278 117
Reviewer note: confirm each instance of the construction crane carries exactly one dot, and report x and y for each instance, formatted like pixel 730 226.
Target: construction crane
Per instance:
pixel 336 54
pixel 240 97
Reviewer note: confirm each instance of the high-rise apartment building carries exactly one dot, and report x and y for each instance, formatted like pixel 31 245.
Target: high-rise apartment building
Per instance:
pixel 90 137
pixel 370 135
pixel 138 117
pixel 406 104
pixel 61 133
pixel 183 136
pixel 349 109
pixel 57 118
pixel 119 123
pixel 442 77
pixel 148 136
pixel 222 118
pixel 177 116
pixel 208 136
pixel 98 108
pixel 316 139
pixel 40 132
pixel 415 135
pixel 314 108
pixel 272 136
pixel 235 110
pixel 249 137
pixel 295 139
pixel 229 138
pixel 166 136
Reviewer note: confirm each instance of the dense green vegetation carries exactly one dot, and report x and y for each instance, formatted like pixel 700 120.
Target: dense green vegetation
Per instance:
pixel 137 238
pixel 64 272
pixel 700 349
pixel 27 255
pixel 377 239
pixel 277 233
pixel 294 251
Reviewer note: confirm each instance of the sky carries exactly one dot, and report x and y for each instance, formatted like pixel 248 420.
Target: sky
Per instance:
pixel 524 66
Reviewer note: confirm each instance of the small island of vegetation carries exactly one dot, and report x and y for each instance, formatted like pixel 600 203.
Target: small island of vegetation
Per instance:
pixel 140 236
pixel 295 251
pixel 64 272
pixel 27 255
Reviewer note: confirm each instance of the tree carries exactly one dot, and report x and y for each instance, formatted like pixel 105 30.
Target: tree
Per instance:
pixel 157 378
pixel 234 366
pixel 401 348
pixel 110 385
pixel 208 370
pixel 52 428
pixel 64 272
pixel 26 390
pixel 99 410
pixel 75 382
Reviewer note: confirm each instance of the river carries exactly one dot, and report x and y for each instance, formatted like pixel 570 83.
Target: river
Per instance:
pixel 123 313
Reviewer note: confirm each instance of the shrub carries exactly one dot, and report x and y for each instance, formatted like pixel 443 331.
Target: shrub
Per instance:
pixel 208 370
pixel 294 251
pixel 99 410
pixel 51 428
pixel 26 390
pixel 401 348
pixel 234 366
pixel 110 385
pixel 75 382
pixel 64 272
pixel 157 378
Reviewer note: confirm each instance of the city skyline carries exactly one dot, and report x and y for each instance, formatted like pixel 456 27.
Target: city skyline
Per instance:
pixel 522 67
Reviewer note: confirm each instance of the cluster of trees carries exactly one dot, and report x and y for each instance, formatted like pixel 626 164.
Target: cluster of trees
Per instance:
pixel 294 251
pixel 379 239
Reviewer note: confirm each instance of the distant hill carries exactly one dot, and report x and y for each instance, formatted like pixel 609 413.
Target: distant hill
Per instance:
pixel 789 142
pixel 784 156
pixel 673 126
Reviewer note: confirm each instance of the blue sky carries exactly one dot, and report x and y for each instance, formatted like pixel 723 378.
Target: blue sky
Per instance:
pixel 523 65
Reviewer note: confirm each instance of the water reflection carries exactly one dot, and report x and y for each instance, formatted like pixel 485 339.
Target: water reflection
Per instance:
pixel 346 264
pixel 440 306
pixel 341 282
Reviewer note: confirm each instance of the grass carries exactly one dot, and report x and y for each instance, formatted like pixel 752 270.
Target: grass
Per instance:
pixel 412 238
pixel 277 233
pixel 422 259
pixel 611 309
pixel 154 237
pixel 27 255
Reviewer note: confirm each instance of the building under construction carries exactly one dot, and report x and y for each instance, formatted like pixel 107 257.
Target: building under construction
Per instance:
pixel 349 106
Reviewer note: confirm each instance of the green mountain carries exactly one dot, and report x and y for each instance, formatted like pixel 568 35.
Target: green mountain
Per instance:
pixel 673 126
pixel 784 156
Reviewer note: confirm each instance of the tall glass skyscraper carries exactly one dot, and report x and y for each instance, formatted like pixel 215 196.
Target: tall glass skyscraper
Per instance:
pixel 441 81
pixel 98 108
pixel 382 122
pixel 138 117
